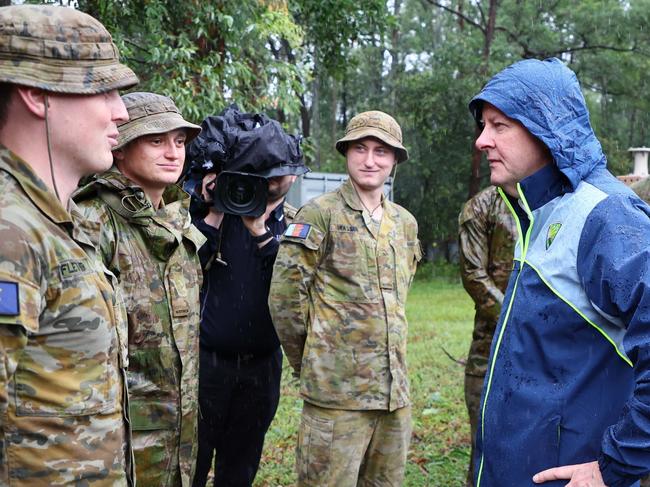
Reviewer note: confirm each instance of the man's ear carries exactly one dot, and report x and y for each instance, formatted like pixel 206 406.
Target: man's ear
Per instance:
pixel 118 155
pixel 34 99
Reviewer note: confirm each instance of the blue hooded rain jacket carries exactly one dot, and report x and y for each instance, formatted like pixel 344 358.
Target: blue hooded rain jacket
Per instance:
pixel 568 380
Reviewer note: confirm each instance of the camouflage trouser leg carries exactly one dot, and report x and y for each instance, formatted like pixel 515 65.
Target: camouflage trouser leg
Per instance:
pixel 473 388
pixel 340 448
pixel 156 458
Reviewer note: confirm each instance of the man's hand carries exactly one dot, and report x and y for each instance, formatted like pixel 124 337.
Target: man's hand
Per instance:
pixel 214 217
pixel 581 475
pixel 257 225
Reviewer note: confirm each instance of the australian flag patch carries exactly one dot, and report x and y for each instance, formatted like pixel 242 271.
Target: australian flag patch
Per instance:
pixel 9 304
pixel 297 230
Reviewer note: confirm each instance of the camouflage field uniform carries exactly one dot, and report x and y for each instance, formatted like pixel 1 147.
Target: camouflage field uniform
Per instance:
pixel 63 401
pixel 337 300
pixel 487 234
pixel 642 188
pixel 154 255
pixel 63 349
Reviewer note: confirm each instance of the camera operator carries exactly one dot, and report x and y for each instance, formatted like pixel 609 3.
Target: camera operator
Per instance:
pixel 240 357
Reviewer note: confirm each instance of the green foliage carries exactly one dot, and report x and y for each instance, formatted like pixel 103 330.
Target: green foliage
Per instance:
pixel 438 271
pixel 333 27
pixel 206 55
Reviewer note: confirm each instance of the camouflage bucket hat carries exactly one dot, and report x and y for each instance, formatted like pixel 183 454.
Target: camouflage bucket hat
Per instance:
pixel 150 113
pixel 59 49
pixel 374 124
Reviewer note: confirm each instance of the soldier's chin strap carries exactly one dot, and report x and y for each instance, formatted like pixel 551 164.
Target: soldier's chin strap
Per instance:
pixel 49 147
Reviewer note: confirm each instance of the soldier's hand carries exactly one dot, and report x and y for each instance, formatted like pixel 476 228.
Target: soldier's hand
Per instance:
pixel 580 475
pixel 214 217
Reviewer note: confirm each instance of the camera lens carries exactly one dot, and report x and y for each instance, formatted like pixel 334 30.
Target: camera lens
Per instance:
pixel 240 192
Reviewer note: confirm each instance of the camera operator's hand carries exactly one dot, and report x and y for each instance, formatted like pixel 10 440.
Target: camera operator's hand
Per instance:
pixel 257 225
pixel 214 217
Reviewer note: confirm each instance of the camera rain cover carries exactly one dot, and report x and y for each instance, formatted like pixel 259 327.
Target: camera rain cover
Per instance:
pixel 244 142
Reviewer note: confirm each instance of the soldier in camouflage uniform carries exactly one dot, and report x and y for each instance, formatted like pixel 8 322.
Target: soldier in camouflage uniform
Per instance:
pixel 63 415
pixel 487 235
pixel 337 299
pixel 642 188
pixel 148 241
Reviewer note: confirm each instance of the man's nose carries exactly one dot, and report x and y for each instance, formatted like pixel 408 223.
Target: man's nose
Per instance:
pixel 173 151
pixel 484 141
pixel 370 158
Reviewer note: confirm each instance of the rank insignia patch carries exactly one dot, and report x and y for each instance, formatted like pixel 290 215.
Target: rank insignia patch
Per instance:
pixel 298 230
pixel 9 305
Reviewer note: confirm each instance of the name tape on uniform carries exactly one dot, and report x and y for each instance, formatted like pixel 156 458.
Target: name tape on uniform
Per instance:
pixel 297 230
pixel 9 305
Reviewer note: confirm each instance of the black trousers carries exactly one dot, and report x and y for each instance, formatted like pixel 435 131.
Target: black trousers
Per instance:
pixel 238 399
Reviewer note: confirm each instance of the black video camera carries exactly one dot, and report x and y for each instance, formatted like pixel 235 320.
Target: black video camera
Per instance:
pixel 245 149
pixel 240 193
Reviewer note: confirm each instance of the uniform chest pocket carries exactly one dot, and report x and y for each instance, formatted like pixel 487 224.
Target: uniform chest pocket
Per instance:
pixel 407 254
pixel 179 297
pixel 70 368
pixel 350 268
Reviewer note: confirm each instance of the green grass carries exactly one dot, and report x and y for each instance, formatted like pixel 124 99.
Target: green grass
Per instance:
pixel 440 316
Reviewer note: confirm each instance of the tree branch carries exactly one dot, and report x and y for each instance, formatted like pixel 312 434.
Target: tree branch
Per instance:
pixel 481 13
pixel 457 14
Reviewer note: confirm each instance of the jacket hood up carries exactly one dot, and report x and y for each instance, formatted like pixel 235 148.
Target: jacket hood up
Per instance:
pixel 545 97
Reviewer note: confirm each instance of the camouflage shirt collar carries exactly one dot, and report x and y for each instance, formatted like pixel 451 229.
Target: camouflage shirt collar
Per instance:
pixel 174 211
pixel 35 188
pixel 173 197
pixel 351 197
pixel 176 208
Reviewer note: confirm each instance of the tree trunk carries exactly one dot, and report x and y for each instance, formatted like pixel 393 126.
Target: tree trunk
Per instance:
pixel 333 86
pixel 395 66
pixel 315 112
pixel 344 99
pixel 489 35
pixel 477 156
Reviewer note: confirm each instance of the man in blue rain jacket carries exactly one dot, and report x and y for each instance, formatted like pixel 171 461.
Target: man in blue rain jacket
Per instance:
pixel 567 391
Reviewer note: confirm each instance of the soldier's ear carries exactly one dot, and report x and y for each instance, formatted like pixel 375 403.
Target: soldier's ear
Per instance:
pixel 33 99
pixel 118 155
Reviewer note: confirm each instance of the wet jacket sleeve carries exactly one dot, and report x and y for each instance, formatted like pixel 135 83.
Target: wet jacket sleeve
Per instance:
pixel 474 254
pixel 614 265
pixel 293 274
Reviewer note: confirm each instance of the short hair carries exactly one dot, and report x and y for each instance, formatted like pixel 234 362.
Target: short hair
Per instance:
pixel 6 90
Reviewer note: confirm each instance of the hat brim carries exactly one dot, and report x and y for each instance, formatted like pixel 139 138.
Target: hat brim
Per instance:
pixel 159 123
pixel 70 77
pixel 284 170
pixel 364 132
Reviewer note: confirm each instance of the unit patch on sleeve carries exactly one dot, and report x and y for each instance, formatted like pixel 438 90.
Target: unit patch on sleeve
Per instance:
pixel 9 301
pixel 298 230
